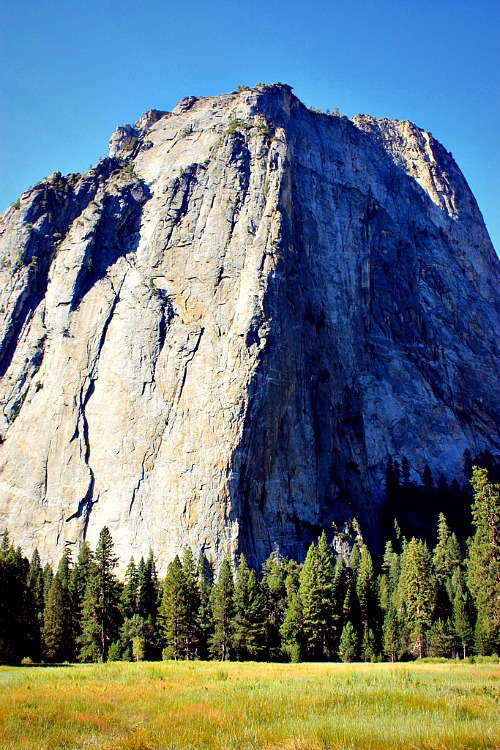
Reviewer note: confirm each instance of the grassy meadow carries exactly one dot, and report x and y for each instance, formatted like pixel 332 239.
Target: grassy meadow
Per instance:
pixel 234 706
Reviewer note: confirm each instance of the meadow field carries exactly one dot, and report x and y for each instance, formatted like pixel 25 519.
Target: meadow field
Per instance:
pixel 235 706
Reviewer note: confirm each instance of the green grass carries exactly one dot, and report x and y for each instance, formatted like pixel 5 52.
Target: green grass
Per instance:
pixel 174 706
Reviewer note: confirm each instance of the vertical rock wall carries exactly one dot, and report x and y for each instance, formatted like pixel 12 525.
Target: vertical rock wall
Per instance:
pixel 217 336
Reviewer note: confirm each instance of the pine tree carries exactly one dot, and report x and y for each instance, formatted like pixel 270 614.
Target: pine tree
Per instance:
pixel 173 613
pixel 280 582
pixel 316 594
pixel 405 471
pixel 419 592
pixel 483 565
pixel 135 629
pixel 79 577
pixel 147 595
pixel 35 582
pixel 48 575
pixel 348 643
pixel 100 613
pixel 292 629
pixel 192 595
pixel 249 631
pixel 365 589
pixel 130 591
pixel 462 620
pixel 427 479
pixel 390 633
pixel 440 638
pixel 222 603
pixel 58 623
pixel 339 590
pixel 205 576
pixel 19 631
pixel 387 592
pixel 443 570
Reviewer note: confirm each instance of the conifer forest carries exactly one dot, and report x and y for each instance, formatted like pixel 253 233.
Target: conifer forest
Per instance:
pixel 341 604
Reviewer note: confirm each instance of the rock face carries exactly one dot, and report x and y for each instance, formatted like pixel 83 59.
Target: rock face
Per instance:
pixel 217 336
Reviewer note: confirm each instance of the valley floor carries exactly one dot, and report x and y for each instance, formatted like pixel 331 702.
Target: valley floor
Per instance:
pixel 234 706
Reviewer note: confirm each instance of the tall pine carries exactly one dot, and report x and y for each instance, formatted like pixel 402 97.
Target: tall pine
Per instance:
pixel 222 604
pixel 249 631
pixel 483 565
pixel 316 594
pixel 101 616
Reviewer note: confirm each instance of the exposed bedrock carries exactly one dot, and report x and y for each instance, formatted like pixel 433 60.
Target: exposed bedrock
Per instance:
pixel 217 336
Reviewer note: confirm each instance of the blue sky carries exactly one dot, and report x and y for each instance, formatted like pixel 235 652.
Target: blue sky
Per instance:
pixel 71 72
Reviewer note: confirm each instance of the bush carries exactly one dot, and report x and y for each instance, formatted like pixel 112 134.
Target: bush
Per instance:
pixel 115 651
pixel 235 125
pixel 130 145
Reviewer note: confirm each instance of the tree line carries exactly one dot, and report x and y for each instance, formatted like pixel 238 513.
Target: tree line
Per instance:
pixel 420 601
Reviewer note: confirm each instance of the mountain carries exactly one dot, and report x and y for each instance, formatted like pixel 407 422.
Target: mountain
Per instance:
pixel 218 335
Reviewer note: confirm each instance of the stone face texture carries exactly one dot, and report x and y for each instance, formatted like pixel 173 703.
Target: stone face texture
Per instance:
pixel 218 342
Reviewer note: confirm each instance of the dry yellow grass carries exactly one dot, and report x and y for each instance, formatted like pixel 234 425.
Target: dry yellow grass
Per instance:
pixel 181 706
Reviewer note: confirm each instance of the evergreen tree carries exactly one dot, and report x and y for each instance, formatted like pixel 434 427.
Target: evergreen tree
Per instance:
pixel 249 631
pixel 483 564
pixel 419 592
pixel 57 624
pixel 390 633
pixel 292 630
pixel 48 575
pixel 365 589
pixel 129 598
pixel 387 590
pixel 35 583
pixel 316 594
pixel 348 643
pixel 274 573
pixel 391 481
pixel 100 612
pixel 174 611
pixel 147 595
pixel 193 603
pixel 440 638
pixel 19 630
pixel 205 575
pixel 222 603
pixel 405 471
pixel 58 630
pixel 339 590
pixel 79 577
pixel 427 479
pixel 462 620
pixel 135 630
pixel 444 566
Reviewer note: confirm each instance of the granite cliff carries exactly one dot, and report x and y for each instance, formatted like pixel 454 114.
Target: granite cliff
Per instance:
pixel 218 335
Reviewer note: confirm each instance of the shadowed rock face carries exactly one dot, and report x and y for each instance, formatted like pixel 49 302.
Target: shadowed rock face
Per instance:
pixel 217 336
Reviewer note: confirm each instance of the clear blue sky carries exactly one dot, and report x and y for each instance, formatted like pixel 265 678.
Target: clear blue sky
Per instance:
pixel 71 72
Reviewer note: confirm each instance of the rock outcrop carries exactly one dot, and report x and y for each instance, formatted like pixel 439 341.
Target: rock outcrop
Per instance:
pixel 216 337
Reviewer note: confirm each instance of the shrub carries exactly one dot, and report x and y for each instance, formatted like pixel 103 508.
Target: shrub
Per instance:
pixel 130 145
pixel 235 125
pixel 115 651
